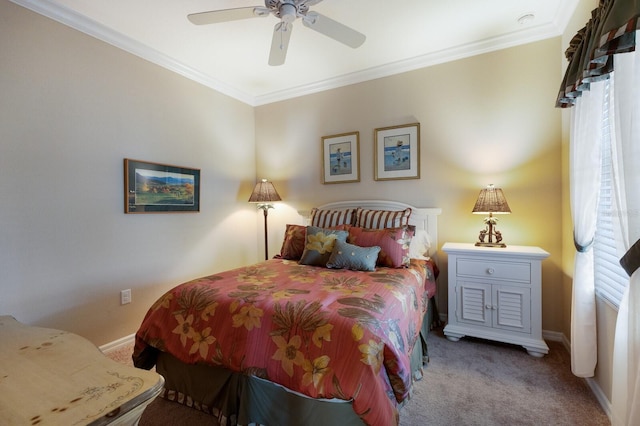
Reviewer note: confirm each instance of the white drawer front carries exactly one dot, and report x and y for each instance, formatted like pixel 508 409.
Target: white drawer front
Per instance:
pixel 512 271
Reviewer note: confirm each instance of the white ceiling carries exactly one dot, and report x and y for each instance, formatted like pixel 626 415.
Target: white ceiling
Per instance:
pixel 232 57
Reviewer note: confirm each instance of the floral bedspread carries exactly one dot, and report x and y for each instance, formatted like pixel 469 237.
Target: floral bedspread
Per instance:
pixel 322 332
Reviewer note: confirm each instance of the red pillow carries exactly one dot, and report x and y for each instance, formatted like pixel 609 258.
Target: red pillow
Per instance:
pixel 393 242
pixel 293 244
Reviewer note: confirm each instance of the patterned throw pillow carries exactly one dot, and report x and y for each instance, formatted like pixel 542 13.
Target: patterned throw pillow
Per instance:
pixel 420 245
pixel 319 244
pixel 329 218
pixel 393 242
pixel 293 244
pixel 379 219
pixel 349 256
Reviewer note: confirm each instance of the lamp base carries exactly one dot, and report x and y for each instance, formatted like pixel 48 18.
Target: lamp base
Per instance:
pixel 491 233
pixel 479 244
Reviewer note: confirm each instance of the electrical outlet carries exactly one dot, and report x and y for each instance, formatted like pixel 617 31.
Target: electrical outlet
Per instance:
pixel 125 296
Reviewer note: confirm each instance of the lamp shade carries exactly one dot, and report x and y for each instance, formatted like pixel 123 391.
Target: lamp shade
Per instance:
pixel 491 200
pixel 264 192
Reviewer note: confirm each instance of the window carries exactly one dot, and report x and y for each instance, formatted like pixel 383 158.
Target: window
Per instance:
pixel 610 279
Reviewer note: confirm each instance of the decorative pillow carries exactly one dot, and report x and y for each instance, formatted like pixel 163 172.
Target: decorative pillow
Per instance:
pixel 349 256
pixel 379 219
pixel 319 244
pixel 328 218
pixel 420 245
pixel 293 244
pixel 393 243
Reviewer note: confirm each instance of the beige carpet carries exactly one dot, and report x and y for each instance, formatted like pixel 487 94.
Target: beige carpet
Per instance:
pixel 470 382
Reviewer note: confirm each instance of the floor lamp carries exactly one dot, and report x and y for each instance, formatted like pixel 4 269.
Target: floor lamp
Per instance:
pixel 264 194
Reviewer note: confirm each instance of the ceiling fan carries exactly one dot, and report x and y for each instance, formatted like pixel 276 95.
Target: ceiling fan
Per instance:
pixel 287 11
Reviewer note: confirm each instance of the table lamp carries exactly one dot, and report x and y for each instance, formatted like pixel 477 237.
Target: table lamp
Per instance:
pixel 491 201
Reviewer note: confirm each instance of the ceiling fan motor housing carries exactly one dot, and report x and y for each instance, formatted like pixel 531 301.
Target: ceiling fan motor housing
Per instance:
pixel 287 10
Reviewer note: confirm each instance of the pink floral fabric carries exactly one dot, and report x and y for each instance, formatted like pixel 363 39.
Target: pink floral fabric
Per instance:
pixel 394 244
pixel 321 332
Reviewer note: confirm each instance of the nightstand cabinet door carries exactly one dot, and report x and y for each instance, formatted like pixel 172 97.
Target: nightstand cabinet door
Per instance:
pixel 494 305
pixel 512 308
pixel 474 304
pixel 495 293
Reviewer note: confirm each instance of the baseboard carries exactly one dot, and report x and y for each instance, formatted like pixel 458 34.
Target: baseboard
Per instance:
pixel 556 336
pixel 600 396
pixel 591 382
pixel 117 344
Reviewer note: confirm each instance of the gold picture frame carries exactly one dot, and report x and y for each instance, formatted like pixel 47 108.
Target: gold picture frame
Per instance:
pixel 397 152
pixel 341 158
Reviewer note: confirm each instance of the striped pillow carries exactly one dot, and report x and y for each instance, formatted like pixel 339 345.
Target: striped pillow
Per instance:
pixel 328 218
pixel 380 219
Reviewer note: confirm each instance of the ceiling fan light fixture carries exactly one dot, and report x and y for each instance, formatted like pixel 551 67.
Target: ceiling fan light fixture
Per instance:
pixel 288 12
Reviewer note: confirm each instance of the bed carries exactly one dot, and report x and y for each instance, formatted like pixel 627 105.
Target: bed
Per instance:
pixel 330 331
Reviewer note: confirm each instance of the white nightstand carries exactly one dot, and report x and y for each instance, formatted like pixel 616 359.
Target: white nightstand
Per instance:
pixel 496 294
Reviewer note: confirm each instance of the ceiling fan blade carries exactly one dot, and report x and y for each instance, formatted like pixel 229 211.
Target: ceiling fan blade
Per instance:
pixel 333 29
pixel 226 15
pixel 280 43
pixel 309 2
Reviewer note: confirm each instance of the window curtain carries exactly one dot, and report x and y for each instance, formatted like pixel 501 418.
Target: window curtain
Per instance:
pixel 586 137
pixel 626 180
pixel 611 30
pixel 593 56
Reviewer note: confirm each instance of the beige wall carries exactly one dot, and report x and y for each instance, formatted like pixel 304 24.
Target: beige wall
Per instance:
pixel 485 119
pixel 71 109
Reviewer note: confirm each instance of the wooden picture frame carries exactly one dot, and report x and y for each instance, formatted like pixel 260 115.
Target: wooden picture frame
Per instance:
pixel 160 188
pixel 341 158
pixel 397 152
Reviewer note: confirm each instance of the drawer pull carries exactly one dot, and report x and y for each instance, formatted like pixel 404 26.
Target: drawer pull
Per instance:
pixel 490 271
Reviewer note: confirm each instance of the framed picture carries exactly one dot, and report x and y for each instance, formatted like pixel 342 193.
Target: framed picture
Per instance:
pixel 397 152
pixel 160 188
pixel 340 158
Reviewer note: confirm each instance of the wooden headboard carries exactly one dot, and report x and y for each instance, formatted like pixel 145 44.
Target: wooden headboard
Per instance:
pixel 421 217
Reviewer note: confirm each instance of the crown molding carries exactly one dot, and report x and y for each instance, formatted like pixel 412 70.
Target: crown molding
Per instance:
pixel 531 35
pixel 92 28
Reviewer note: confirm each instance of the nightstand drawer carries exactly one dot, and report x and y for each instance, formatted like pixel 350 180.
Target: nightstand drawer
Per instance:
pixel 514 271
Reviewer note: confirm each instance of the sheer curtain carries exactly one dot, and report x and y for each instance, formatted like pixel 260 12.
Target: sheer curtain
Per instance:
pixel 626 155
pixel 584 159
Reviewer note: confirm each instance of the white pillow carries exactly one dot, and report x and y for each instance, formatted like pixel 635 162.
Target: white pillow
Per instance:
pixel 420 245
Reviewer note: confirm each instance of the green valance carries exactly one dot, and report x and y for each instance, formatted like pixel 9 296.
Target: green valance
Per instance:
pixel 611 29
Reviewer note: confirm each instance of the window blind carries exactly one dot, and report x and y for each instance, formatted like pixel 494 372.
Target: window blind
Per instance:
pixel 610 279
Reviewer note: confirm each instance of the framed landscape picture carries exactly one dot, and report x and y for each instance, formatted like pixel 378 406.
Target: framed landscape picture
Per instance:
pixel 340 158
pixel 397 152
pixel 160 188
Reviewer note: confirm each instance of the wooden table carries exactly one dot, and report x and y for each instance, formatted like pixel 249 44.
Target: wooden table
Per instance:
pixel 52 377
